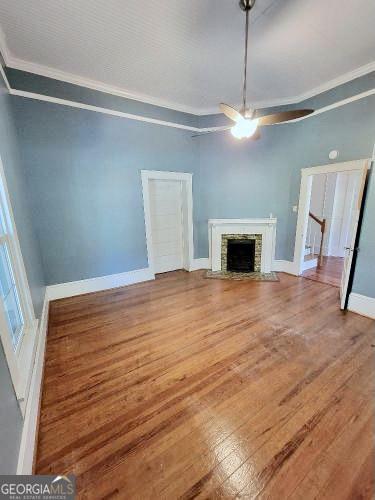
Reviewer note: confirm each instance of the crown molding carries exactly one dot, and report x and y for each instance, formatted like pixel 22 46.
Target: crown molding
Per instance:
pixel 4 47
pixel 4 76
pixel 325 87
pixel 39 69
pixel 42 70
pixel 3 56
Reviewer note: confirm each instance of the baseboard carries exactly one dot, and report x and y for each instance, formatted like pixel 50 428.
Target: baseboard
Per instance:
pixel 284 266
pixel 203 263
pixel 309 264
pixel 361 304
pixel 72 288
pixel 30 423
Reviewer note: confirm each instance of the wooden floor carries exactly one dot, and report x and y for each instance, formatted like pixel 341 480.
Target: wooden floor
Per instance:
pixel 188 387
pixel 329 273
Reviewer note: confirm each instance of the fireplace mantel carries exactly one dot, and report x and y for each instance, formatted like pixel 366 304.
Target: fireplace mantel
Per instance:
pixel 266 227
pixel 217 222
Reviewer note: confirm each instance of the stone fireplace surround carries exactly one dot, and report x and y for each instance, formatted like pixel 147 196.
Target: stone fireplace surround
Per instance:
pixel 262 230
pixel 258 248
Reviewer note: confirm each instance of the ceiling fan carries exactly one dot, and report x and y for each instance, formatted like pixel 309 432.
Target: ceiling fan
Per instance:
pixel 247 120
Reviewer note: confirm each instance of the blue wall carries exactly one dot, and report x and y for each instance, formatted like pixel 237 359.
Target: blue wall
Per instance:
pixel 20 196
pixel 83 169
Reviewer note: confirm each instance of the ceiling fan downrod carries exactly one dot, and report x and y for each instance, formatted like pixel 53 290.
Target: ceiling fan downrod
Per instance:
pixel 246 6
pixel 246 121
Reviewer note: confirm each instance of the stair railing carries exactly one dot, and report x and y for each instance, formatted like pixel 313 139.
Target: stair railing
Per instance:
pixel 322 224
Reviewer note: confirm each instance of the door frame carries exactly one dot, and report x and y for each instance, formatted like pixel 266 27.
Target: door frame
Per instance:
pixel 304 202
pixel 187 213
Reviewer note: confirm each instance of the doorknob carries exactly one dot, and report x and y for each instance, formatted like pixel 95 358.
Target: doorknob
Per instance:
pixel 352 249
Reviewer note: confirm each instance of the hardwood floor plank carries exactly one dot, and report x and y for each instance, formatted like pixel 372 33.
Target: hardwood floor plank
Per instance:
pixel 264 424
pixel 330 272
pixel 187 387
pixel 348 404
pixel 281 425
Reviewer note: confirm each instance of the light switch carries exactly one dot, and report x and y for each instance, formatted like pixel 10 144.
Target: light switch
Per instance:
pixel 295 208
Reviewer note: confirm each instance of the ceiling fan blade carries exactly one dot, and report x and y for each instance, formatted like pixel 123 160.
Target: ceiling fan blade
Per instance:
pixel 230 112
pixel 284 116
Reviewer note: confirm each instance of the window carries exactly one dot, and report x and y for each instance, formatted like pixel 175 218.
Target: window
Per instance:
pixel 17 320
pixel 8 288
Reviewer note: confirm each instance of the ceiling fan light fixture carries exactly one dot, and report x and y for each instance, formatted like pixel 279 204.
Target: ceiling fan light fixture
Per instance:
pixel 244 128
pixel 246 125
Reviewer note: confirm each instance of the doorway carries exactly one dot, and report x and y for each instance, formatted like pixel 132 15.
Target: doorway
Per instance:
pixel 167 199
pixel 328 216
pixel 330 224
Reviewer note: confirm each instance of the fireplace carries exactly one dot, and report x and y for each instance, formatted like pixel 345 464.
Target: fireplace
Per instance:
pixel 253 254
pixel 241 253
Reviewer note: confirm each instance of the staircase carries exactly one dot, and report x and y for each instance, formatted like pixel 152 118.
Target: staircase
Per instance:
pixel 309 248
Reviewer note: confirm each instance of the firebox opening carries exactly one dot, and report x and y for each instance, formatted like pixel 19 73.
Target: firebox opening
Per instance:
pixel 241 255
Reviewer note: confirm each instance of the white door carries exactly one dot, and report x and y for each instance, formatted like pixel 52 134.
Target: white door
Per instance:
pixel 349 250
pixel 166 224
pixel 345 200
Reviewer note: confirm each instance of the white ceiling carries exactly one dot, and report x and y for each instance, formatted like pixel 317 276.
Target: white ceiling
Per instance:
pixel 188 54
